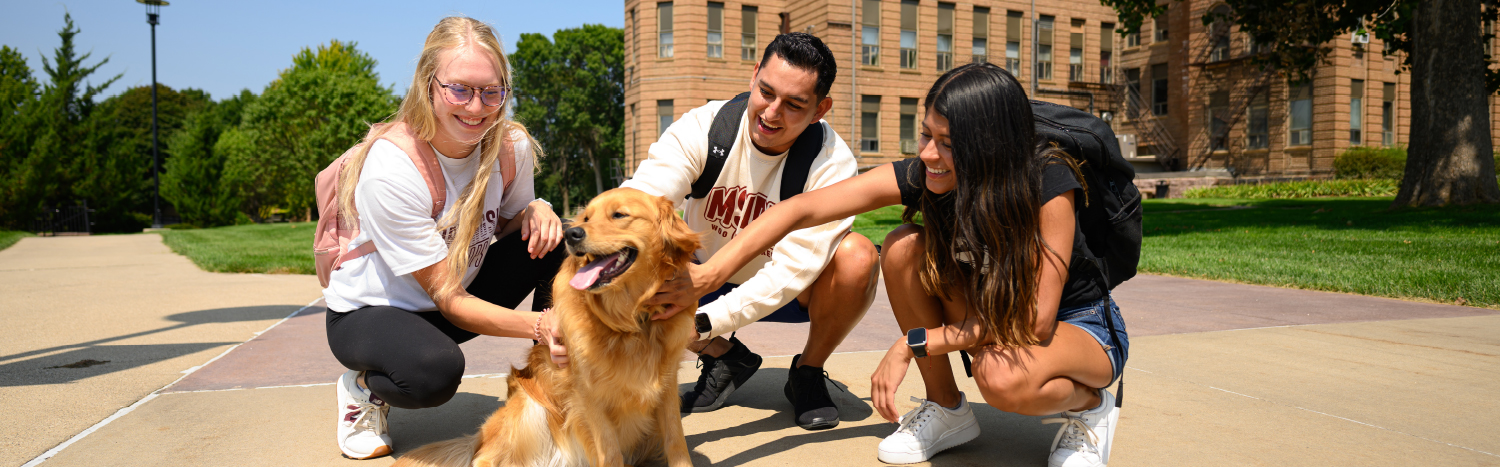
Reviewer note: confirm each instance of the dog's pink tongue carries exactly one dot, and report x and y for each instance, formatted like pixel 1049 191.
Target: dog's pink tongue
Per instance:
pixel 589 274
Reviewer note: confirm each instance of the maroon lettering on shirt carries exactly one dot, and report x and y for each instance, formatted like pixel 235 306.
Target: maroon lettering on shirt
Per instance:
pixel 729 209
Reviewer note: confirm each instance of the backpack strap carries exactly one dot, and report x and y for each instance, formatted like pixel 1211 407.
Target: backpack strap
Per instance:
pixel 508 158
pixel 422 155
pixel 799 160
pixel 432 173
pixel 721 136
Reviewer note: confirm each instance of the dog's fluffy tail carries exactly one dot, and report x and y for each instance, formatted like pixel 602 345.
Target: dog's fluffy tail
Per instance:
pixel 457 452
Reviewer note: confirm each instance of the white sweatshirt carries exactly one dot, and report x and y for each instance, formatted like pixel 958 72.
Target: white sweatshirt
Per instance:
pixel 749 184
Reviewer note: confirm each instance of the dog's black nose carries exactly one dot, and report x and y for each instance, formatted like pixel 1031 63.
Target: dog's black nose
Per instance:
pixel 574 235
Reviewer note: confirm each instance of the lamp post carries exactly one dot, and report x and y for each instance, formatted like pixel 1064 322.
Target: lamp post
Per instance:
pixel 153 11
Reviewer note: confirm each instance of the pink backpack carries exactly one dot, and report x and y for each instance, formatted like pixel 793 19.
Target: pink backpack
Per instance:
pixel 331 239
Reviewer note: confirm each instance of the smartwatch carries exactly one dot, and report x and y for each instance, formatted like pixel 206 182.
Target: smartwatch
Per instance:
pixel 916 339
pixel 702 325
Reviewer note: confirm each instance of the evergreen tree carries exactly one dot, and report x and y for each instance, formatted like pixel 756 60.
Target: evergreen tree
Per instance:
pixel 45 174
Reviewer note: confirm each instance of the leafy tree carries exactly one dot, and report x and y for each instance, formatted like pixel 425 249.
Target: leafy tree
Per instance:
pixel 194 181
pixel 53 133
pixel 18 94
pixel 335 56
pixel 1451 153
pixel 304 120
pixel 571 94
pixel 114 171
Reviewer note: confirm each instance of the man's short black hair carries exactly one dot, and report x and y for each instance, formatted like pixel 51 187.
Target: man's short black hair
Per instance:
pixel 807 52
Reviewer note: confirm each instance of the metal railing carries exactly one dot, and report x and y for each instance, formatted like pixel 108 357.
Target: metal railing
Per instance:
pixel 64 220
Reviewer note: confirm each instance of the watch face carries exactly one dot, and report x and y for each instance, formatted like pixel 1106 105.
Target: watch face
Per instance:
pixel 702 324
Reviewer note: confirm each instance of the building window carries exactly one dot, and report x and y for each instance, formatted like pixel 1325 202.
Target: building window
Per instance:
pixel 870 34
pixel 1075 51
pixel 1300 108
pixel 981 34
pixel 1388 114
pixel 869 124
pixel 1044 47
pixel 715 30
pixel 1106 52
pixel 1161 27
pixel 1133 102
pixel 1218 121
pixel 1133 39
pixel 945 37
pixel 1159 89
pixel 747 33
pixel 908 125
pixel 1258 129
pixel 1013 42
pixel 909 34
pixel 1356 111
pixel 1218 34
pixel 663 116
pixel 664 29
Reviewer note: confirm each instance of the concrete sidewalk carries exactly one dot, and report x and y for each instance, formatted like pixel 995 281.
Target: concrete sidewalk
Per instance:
pixel 1219 374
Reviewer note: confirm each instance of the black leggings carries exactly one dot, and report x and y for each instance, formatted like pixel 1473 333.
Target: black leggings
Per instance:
pixel 412 359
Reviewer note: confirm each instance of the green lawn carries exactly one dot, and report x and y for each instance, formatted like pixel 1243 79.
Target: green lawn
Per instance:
pixel 10 237
pixel 264 248
pixel 1355 245
pixel 875 224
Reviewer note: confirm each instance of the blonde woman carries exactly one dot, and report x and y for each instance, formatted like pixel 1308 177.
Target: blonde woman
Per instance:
pixel 396 317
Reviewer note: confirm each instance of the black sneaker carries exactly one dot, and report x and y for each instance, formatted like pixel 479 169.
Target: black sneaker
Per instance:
pixel 720 377
pixel 811 404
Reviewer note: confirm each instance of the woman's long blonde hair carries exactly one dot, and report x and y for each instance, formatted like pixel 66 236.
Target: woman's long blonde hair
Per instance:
pixel 417 113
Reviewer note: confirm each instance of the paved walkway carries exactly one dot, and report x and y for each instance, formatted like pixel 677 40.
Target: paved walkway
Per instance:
pixel 118 352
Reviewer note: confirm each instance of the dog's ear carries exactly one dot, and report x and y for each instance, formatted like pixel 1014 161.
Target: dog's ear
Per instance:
pixel 679 241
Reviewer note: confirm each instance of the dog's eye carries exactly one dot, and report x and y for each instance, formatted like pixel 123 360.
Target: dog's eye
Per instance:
pixel 621 215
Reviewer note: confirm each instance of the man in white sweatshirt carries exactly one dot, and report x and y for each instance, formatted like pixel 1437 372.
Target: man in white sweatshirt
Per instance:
pixel 824 275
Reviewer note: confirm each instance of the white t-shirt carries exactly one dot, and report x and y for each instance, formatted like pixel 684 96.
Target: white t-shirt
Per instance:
pixel 395 212
pixel 749 183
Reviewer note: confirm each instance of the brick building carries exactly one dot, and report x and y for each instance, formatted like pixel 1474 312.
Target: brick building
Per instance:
pixel 1184 95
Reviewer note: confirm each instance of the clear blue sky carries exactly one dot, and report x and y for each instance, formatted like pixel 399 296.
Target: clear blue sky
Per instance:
pixel 223 47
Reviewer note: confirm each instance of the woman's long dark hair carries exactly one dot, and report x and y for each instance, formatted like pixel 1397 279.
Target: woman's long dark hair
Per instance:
pixel 994 227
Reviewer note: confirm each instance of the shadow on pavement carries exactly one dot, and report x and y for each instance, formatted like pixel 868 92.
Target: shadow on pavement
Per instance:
pixel 91 361
pixel 73 362
pixel 461 416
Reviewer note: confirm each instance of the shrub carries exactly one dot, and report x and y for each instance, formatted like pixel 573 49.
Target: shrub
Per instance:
pixel 1303 189
pixel 1365 162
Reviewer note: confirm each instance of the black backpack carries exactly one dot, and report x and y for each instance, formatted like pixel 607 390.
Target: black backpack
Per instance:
pixel 721 138
pixel 1111 217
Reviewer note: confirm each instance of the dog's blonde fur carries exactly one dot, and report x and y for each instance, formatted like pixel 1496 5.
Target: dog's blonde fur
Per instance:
pixel 617 400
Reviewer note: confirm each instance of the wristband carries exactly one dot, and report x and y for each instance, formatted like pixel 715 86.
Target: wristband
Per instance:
pixel 543 202
pixel 536 330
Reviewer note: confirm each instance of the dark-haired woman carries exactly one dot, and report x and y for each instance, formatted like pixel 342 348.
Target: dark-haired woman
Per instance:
pixel 991 270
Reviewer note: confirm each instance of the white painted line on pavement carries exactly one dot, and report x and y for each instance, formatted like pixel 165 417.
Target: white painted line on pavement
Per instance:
pixel 120 413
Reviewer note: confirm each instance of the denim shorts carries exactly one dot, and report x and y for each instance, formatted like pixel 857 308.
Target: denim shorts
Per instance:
pixel 1090 318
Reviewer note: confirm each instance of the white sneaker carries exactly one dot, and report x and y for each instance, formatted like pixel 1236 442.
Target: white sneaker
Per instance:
pixel 1085 436
pixel 928 430
pixel 362 430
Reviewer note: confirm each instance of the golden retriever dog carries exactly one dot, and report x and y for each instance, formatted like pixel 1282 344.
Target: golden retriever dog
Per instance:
pixel 616 402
